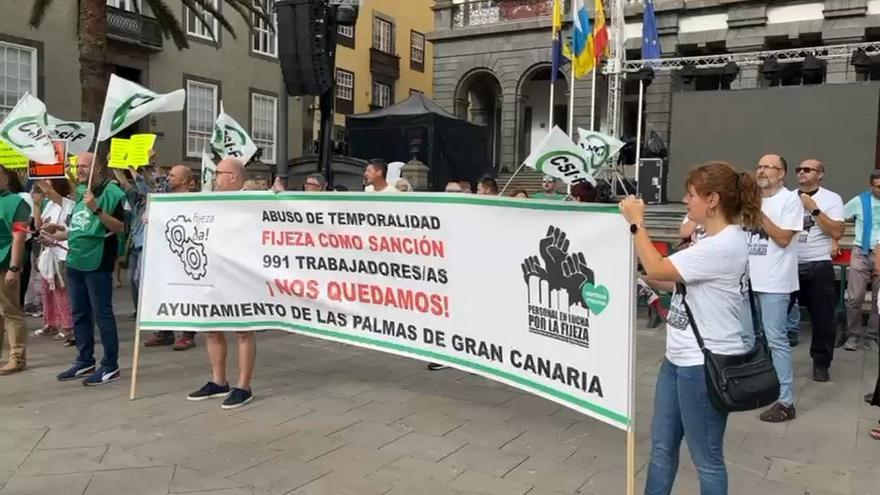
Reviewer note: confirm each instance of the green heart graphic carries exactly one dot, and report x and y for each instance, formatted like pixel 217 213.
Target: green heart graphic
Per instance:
pixel 595 297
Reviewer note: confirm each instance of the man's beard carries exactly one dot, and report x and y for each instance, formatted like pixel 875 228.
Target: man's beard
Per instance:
pixel 763 183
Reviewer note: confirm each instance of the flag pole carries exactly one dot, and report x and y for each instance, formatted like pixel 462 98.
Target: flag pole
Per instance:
pixel 571 103
pixel 639 123
pixel 94 159
pixel 593 100
pixel 552 99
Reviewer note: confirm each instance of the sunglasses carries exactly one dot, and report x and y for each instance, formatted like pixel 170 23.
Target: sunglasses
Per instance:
pixel 806 170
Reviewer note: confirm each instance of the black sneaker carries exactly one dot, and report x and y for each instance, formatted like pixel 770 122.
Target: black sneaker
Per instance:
pixel 210 391
pixel 820 374
pixel 237 398
pixel 436 366
pixel 74 372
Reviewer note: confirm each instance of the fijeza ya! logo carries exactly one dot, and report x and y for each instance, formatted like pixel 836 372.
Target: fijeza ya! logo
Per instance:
pixel 562 291
pixel 186 240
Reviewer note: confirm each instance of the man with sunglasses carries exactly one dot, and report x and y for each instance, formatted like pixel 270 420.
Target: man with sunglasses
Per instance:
pixel 865 208
pixel 823 224
pixel 773 269
pixel 548 186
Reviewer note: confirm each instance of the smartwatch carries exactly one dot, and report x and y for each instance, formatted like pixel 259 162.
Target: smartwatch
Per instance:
pixel 98 212
pixel 633 228
pixel 816 212
pixel 14 269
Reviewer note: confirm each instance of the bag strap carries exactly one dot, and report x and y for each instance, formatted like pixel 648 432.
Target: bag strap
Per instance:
pixel 682 289
pixel 757 325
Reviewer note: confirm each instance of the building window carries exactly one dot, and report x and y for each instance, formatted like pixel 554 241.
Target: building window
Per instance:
pixel 263 124
pixel 417 51
pixel 344 91
pixel 383 35
pixel 195 27
pixel 201 112
pixel 18 74
pixel 345 36
pixel 265 41
pixel 383 95
pixel 129 5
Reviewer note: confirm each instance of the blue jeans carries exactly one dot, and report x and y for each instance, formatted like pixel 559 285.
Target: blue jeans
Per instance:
pixel 682 410
pixel 793 322
pixel 773 309
pixel 91 302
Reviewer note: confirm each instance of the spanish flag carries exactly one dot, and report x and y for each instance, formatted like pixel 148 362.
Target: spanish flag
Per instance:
pixel 600 32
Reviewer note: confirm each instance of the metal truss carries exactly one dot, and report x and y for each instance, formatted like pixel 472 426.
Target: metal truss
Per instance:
pixel 753 58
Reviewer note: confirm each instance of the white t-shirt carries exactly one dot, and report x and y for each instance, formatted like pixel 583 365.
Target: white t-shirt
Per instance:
pixel 774 269
pixel 54 213
pixel 714 272
pixel 814 244
pixel 389 188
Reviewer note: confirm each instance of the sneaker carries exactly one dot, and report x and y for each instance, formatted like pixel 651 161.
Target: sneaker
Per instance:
pixel 778 413
pixel 852 344
pixel 237 398
pixel 183 343
pixel 820 374
pixel 793 339
pixel 437 366
pixel 75 371
pixel 210 391
pixel 102 377
pixel 870 345
pixel 158 339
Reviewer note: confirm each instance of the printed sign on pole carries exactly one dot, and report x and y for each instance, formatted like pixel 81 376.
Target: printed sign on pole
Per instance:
pixel 139 147
pixel 54 170
pixel 119 149
pixel 10 158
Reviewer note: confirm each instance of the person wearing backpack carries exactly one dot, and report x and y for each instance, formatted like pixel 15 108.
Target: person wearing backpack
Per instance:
pixel 715 273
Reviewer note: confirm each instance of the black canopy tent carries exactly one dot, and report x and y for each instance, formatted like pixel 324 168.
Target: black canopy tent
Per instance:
pixel 452 148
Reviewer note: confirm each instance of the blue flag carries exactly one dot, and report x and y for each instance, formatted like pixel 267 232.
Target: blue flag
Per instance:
pixel 650 40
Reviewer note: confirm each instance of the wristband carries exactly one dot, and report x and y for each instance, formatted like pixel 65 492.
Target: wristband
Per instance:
pixel 98 212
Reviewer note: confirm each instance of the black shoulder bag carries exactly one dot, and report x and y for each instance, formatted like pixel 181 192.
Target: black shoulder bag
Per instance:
pixel 738 382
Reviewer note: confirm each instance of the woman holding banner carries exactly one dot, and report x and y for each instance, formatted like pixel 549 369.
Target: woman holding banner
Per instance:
pixel 714 272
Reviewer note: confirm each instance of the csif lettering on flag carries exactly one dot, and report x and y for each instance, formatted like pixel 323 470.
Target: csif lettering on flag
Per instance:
pixel 24 130
pixel 556 155
pixel 230 139
pixel 127 102
pixel 209 169
pixel 79 135
pixel 599 148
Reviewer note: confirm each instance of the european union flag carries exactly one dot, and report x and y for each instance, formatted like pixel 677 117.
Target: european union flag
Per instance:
pixel 650 40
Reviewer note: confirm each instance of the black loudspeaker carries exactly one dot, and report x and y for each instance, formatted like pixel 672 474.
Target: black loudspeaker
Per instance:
pixel 652 180
pixel 304 46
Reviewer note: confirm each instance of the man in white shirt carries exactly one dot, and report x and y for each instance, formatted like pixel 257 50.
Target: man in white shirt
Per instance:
pixel 374 175
pixel 823 224
pixel 774 273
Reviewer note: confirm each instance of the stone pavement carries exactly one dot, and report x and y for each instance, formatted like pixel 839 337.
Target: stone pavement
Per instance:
pixel 334 419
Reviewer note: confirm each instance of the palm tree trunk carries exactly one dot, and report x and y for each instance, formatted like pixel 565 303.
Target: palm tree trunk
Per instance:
pixel 92 57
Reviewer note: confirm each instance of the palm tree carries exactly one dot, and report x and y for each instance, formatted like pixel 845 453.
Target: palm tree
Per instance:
pixel 93 69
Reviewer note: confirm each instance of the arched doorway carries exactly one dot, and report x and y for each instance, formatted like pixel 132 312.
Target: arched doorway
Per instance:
pixel 478 99
pixel 534 107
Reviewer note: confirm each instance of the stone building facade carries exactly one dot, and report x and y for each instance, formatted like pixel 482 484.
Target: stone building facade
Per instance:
pixel 493 59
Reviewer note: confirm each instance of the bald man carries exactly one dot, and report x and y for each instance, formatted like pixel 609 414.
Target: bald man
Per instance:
pixel 773 270
pixel 229 177
pixel 96 217
pixel 823 224
pixel 180 180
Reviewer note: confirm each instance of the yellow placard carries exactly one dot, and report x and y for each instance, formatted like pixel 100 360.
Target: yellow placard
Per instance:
pixel 71 164
pixel 10 158
pixel 139 149
pixel 119 153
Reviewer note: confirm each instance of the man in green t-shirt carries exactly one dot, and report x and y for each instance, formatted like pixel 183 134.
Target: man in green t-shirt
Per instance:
pixel 14 215
pixel 92 242
pixel 861 271
pixel 548 186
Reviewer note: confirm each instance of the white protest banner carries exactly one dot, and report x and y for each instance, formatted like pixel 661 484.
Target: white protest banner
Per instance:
pixel 230 139
pixel 556 155
pixel 24 130
pixel 599 147
pixel 538 296
pixel 127 102
pixel 79 135
pixel 208 171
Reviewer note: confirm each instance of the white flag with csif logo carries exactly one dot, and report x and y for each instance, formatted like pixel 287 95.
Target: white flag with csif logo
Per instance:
pixel 24 129
pixel 600 148
pixel 127 102
pixel 79 135
pixel 230 139
pixel 557 156
pixel 209 169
